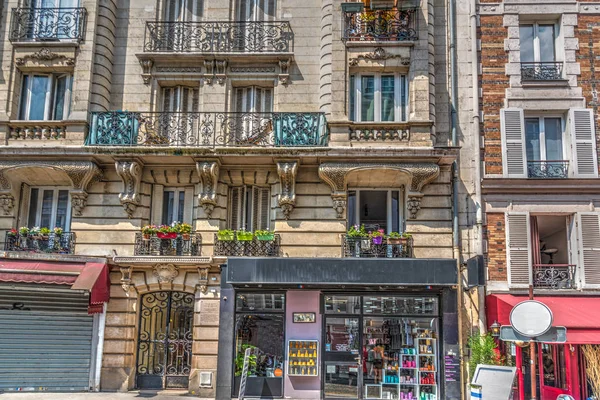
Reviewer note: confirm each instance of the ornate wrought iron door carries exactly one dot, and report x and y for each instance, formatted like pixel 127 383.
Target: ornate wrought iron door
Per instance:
pixel 165 340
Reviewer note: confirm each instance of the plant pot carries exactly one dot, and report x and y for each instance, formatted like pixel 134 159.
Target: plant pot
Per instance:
pixel 227 237
pixel 266 238
pixel 185 236
pixel 170 235
pixel 245 237
pixel 146 236
pixel 377 239
pixel 397 240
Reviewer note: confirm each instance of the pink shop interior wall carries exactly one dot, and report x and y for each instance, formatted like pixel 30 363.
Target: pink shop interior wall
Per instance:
pixel 302 387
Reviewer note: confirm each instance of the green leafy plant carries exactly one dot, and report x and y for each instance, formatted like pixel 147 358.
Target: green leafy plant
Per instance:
pixel 406 235
pixel 35 231
pixel 149 229
pixel 356 231
pixel 24 231
pixel 58 231
pixel 263 233
pixel 183 228
pixel 244 235
pixel 167 229
pixel 225 234
pixel 377 233
pixel 484 350
pixel 44 231
pixel 394 235
pixel 239 360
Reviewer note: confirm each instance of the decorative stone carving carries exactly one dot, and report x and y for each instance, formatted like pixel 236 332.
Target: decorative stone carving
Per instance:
pixel 7 201
pixel 287 171
pixel 220 71
pixel 131 174
pixel 202 284
pixel 126 283
pixel 379 54
pixel 419 174
pixel 284 71
pixel 80 173
pixel 180 70
pixel 209 176
pixel 252 70
pixel 165 272
pixel 209 65
pixel 146 70
pixel 44 54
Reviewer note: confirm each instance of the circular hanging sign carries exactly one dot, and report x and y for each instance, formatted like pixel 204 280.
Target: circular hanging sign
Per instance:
pixel 531 318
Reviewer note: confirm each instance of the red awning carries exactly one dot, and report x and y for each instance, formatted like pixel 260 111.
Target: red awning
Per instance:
pixel 580 315
pixel 93 277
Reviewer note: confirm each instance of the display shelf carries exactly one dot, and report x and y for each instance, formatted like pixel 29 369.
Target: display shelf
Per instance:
pixel 303 358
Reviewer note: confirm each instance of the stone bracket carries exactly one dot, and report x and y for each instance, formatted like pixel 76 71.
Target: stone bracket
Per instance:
pixel 335 175
pixel 215 69
pixel 80 173
pixel 146 70
pixel 287 171
pixel 165 273
pixel 130 172
pixel 202 284
pixel 209 176
pixel 126 282
pixel 284 71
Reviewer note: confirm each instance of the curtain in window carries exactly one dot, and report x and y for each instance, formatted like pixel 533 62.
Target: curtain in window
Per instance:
pixel 532 139
pixel 367 106
pixel 387 98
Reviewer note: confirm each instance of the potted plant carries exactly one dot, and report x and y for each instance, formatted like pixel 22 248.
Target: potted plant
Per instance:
pixel 377 236
pixel 225 234
pixel 13 232
pixel 264 235
pixel 44 233
pixel 24 231
pixel 148 231
pixel 58 231
pixel 166 232
pixel 35 232
pixel 358 234
pixel 184 230
pixel 244 235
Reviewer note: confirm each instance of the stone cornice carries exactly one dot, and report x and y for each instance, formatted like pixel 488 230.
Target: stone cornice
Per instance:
pixel 152 260
pixel 539 186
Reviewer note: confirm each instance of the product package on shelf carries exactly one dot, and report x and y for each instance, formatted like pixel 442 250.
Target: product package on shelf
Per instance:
pixel 303 358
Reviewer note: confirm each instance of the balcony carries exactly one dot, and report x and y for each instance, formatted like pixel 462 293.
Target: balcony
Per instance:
pixel 177 245
pixel 381 25
pixel 47 24
pixel 548 169
pixel 554 276
pixel 208 130
pixel 364 247
pixel 219 37
pixel 247 248
pixel 541 71
pixel 52 243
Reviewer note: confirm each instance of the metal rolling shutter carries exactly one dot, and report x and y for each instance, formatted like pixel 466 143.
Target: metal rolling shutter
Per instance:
pixel 45 340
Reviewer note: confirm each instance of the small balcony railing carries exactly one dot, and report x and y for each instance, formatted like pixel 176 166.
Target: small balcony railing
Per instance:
pixel 378 132
pixel 52 243
pixel 548 169
pixel 47 24
pixel 541 71
pixel 173 245
pixel 554 276
pixel 219 37
pixel 200 129
pixel 381 25
pixel 247 248
pixel 364 247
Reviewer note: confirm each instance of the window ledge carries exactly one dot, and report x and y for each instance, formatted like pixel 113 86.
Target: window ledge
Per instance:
pixel 386 43
pixel 545 83
pixel 47 43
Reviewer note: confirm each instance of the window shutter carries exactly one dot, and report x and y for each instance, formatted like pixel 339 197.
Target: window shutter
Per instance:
pixel 24 206
pixel 261 206
pixel 583 140
pixel 514 157
pixel 188 205
pixel 236 207
pixel 167 99
pixel 157 202
pixel 518 249
pixel 589 253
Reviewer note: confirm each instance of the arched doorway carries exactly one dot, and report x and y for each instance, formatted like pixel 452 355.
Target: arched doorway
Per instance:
pixel 165 340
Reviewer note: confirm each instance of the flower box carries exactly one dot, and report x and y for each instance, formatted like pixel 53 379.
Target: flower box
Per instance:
pixel 266 238
pixel 245 236
pixel 169 235
pixel 397 241
pixel 226 236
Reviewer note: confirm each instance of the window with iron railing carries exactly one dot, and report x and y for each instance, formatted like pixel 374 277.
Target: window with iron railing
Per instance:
pixel 539 55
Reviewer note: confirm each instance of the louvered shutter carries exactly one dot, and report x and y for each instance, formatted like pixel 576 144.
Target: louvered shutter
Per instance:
pixel 237 196
pixel 589 249
pixel 24 205
pixel 157 204
pixel 261 206
pixel 514 157
pixel 583 142
pixel 188 205
pixel 518 249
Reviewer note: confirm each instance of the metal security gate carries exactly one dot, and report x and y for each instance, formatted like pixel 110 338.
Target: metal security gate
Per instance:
pixel 165 340
pixel 45 340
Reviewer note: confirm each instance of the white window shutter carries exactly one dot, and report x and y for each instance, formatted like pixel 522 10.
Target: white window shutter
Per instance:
pixel 157 204
pixel 518 249
pixel 514 157
pixel 188 205
pixel 583 140
pixel 24 205
pixel 589 249
pixel 237 202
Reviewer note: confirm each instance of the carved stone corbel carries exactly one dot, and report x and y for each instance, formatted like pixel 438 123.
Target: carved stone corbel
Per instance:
pixel 202 284
pixel 209 65
pixel 131 175
pixel 287 171
pixel 220 71
pixel 126 283
pixel 7 202
pixel 165 272
pixel 209 177
pixel 413 205
pixel 284 71
pixel 339 203
pixel 146 70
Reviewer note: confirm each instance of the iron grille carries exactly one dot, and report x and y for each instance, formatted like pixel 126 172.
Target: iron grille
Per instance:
pixel 381 25
pixel 219 37
pixel 554 276
pixel 52 243
pixel 548 169
pixel 205 129
pixel 250 248
pixel 181 245
pixel 364 247
pixel 47 24
pixel 541 71
pixel 379 133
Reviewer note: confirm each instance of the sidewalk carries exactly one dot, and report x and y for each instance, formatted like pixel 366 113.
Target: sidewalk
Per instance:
pixel 133 395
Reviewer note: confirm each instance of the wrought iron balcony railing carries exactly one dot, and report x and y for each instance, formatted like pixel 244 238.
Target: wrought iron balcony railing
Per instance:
pixel 364 247
pixel 381 25
pixel 541 71
pixel 47 24
pixel 247 248
pixel 52 243
pixel 548 169
pixel 177 245
pixel 554 276
pixel 200 129
pixel 219 37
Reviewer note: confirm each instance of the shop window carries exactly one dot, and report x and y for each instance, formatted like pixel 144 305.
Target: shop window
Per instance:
pixel 553 365
pixel 375 209
pixel 259 326
pixel 378 98
pixel 342 304
pixel 400 305
pixel 49 208
pixel 249 208
pixel 45 97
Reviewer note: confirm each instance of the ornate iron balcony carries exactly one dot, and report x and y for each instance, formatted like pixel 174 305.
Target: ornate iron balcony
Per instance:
pixel 178 245
pixel 541 71
pixel 249 248
pixel 199 129
pixel 381 25
pixel 52 243
pixel 47 24
pixel 548 169
pixel 364 247
pixel 554 276
pixel 219 37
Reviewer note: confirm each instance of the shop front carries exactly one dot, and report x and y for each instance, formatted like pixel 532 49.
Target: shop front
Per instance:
pixel 333 329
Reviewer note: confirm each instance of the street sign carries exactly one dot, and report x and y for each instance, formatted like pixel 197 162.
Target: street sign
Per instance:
pixel 531 318
pixel 556 334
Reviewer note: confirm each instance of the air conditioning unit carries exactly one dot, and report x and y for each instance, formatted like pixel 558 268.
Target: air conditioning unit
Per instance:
pixel 382 4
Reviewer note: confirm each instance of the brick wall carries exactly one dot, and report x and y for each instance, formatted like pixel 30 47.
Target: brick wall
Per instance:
pixel 495 235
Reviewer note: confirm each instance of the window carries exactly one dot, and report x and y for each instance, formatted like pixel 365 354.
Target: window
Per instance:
pixel 182 10
pixel 256 10
pixel 173 206
pixel 378 98
pixel 49 208
pixel 180 99
pixel 45 97
pixel 544 138
pixel 255 99
pixel 553 365
pixel 538 42
pixel 249 208
pixel 375 209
